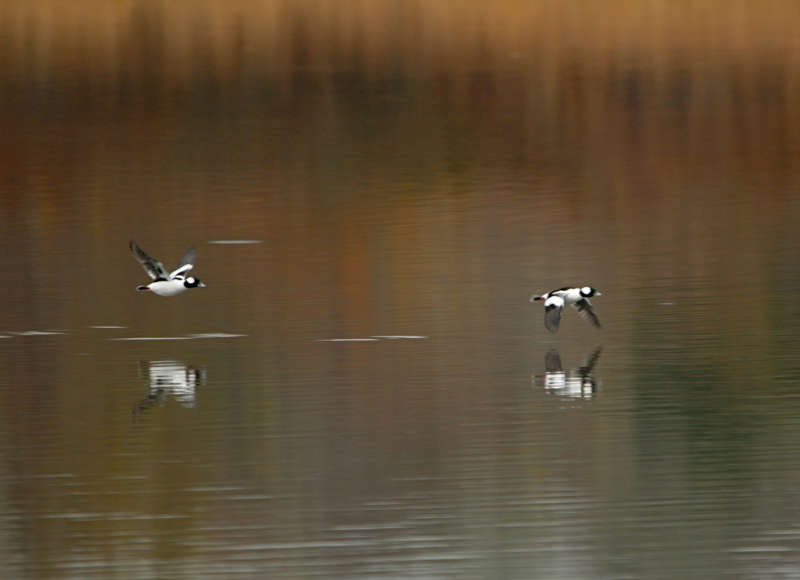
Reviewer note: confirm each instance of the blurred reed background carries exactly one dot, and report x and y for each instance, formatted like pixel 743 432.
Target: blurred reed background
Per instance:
pixel 179 43
pixel 684 84
pixel 725 62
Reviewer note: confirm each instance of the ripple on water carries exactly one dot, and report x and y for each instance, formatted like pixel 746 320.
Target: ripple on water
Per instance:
pixel 374 338
pixel 202 335
pixel 235 242
pixel 39 332
pixel 216 335
pixel 143 338
pixel 369 339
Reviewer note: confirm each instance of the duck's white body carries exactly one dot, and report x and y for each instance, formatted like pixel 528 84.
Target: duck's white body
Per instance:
pixel 166 287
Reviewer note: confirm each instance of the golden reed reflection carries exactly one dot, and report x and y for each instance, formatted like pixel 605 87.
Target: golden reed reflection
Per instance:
pixel 584 77
pixel 704 44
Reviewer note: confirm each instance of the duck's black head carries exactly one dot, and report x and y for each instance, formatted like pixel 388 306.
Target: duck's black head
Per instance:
pixel 192 282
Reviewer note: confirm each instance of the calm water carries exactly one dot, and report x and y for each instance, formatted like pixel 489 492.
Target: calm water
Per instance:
pixel 363 389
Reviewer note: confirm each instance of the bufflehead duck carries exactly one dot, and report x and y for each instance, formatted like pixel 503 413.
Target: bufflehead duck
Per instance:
pixel 167 283
pixel 555 300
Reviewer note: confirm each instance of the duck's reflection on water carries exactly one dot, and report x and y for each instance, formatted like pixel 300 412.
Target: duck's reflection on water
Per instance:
pixel 169 378
pixel 577 383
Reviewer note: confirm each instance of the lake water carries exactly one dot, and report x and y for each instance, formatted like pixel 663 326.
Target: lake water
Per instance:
pixel 363 389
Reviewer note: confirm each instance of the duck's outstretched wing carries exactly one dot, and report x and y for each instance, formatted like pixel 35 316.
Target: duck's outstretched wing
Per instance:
pixel 584 308
pixel 186 263
pixel 553 307
pixel 153 267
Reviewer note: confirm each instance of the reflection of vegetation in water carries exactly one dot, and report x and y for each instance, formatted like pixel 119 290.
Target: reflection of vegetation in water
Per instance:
pixel 709 370
pixel 690 56
pixel 281 36
pixel 682 85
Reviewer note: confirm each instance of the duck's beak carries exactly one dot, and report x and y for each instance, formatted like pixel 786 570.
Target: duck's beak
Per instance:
pixel 598 293
pixel 201 285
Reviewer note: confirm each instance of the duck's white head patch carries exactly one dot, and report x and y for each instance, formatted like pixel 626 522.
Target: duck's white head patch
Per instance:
pixel 586 291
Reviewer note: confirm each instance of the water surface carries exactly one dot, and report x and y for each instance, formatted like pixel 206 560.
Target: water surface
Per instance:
pixel 363 389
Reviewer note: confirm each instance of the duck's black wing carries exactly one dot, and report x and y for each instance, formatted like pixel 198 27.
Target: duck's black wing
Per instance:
pixel 153 267
pixel 189 258
pixel 186 263
pixel 584 308
pixel 552 317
